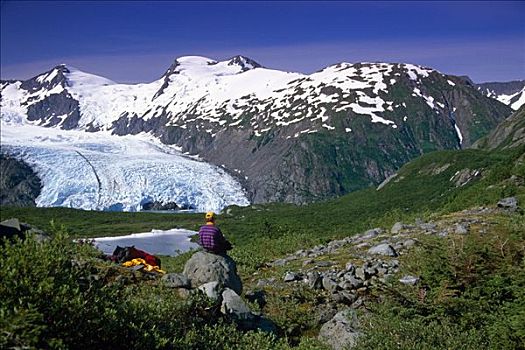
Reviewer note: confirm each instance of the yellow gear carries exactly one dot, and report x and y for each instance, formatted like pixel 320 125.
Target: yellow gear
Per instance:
pixel 210 216
pixel 147 267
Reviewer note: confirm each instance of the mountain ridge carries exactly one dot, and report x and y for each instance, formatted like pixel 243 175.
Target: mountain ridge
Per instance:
pixel 344 127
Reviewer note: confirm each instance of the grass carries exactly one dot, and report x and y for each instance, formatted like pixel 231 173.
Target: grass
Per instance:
pixel 487 313
pixel 265 232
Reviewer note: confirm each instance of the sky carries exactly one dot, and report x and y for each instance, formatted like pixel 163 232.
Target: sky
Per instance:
pixel 136 41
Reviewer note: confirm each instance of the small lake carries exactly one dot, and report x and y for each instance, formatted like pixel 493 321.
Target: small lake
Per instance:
pixel 157 242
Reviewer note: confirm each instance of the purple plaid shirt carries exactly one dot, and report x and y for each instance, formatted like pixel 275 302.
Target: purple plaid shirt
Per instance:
pixel 212 239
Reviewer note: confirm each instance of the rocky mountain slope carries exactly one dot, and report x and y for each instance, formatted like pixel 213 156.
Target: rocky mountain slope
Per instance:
pixel 509 133
pixel 288 136
pixel 19 185
pixel 511 93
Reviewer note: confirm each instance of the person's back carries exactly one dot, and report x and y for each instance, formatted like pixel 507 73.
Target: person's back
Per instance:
pixel 211 237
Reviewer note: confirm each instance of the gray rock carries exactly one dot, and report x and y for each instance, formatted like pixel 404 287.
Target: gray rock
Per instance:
pixel 233 305
pixel 409 243
pixel 324 263
pixel 325 312
pixel 381 271
pixel 291 276
pixel 509 203
pixel 329 284
pixel 409 280
pixel 212 290
pixel 205 267
pixel 314 280
pixel 427 226
pixel 280 262
pixel 341 332
pixel 382 249
pixel 461 228
pixel 355 282
pixel 176 280
pixel 350 267
pixel 265 282
pixel 371 233
pixel 307 262
pixel 443 233
pixel 398 226
pixel 370 271
pixel 361 273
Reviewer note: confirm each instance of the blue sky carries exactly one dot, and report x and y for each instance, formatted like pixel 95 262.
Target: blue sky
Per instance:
pixel 137 41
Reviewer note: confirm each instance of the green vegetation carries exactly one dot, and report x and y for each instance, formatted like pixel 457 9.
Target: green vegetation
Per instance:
pixel 472 295
pixel 474 284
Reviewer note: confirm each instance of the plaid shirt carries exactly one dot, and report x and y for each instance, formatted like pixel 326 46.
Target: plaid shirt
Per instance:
pixel 212 239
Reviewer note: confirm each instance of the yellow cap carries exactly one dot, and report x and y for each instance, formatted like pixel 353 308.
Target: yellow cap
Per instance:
pixel 210 216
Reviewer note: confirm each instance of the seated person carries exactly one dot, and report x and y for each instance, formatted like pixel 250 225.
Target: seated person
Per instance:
pixel 211 237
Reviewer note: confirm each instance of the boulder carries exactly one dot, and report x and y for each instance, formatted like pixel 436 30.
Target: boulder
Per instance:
pixel 409 280
pixel 176 280
pixel 371 233
pixel 509 203
pixel 398 226
pixel 329 284
pixel 314 280
pixel 382 249
pixel 234 306
pixel 212 290
pixel 205 267
pixel 291 276
pixel 461 228
pixel 341 331
pixel 13 228
pixel 10 228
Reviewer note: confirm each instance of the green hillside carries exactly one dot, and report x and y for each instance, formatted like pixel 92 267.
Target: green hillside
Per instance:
pixel 436 186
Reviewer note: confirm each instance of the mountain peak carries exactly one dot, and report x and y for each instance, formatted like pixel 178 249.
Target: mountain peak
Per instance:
pixel 244 62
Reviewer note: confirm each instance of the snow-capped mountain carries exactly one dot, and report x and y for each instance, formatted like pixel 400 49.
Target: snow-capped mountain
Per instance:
pixel 511 93
pixel 288 136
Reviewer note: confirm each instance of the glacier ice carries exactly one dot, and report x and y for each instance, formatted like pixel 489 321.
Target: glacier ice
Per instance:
pixel 100 171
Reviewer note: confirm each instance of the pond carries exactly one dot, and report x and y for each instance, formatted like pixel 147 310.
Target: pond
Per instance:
pixel 157 242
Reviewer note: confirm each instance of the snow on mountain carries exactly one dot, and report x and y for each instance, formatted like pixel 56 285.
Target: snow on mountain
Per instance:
pixel 99 171
pixel 515 101
pixel 198 88
pixel 249 118
pixel 510 93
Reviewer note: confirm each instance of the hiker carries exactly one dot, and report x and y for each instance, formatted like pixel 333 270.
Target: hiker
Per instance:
pixel 211 237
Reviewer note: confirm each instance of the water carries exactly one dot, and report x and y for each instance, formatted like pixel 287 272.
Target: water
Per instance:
pixel 171 242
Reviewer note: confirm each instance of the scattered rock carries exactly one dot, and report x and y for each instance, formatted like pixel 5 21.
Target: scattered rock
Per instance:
pixel 14 228
pixel 409 280
pixel 329 284
pixel 314 280
pixel 509 203
pixel 212 290
pixel 398 226
pixel 291 276
pixel 464 176
pixel 325 312
pixel 176 280
pixel 265 282
pixel 461 228
pixel 341 331
pixel 234 306
pixel 371 233
pixel 205 267
pixel 409 243
pixel 382 249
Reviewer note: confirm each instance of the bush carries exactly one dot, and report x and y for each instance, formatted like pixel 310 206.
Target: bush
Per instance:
pixel 59 295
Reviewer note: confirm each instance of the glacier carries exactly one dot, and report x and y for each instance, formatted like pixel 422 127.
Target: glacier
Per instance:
pixel 101 171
